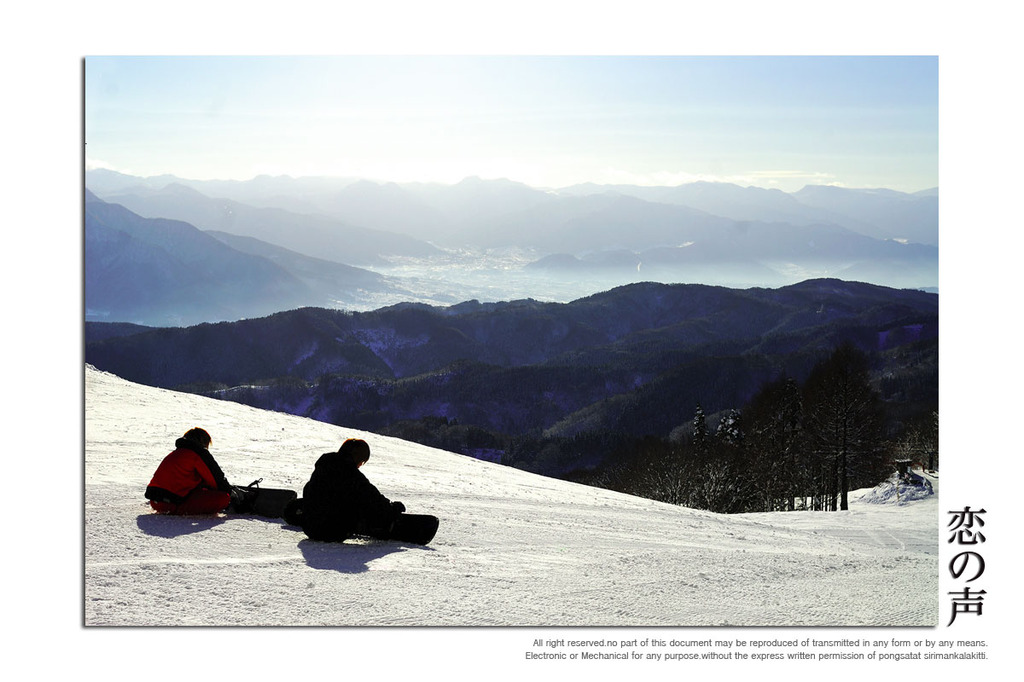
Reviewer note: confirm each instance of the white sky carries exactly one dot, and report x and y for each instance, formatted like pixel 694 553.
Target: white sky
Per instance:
pixel 552 121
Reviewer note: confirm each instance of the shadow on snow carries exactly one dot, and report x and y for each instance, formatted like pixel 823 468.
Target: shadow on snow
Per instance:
pixel 167 526
pixel 351 556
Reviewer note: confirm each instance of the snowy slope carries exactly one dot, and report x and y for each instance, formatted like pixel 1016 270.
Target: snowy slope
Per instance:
pixel 514 549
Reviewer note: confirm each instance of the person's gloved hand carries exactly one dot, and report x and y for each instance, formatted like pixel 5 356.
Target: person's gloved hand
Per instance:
pixel 397 507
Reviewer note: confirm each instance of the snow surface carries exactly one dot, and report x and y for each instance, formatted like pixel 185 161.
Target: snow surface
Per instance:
pixel 513 549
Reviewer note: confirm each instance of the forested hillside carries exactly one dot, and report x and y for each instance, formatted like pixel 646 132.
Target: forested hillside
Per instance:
pixel 554 388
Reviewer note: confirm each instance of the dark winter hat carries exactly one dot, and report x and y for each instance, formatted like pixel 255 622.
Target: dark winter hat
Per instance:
pixel 357 449
pixel 198 436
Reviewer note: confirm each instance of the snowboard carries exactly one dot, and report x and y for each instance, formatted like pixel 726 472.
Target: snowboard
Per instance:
pixel 418 529
pixel 269 502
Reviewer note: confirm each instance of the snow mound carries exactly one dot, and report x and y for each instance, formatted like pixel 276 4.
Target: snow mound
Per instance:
pixel 900 491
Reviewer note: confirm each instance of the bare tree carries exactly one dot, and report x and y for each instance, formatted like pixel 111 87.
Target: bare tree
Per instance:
pixel 844 419
pixel 774 441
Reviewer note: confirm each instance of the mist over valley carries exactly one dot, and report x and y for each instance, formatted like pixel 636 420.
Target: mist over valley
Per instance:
pixel 358 245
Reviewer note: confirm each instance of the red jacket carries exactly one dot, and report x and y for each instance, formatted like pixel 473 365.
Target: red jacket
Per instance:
pixel 184 470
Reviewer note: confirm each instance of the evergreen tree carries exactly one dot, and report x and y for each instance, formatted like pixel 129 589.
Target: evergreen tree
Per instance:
pixel 730 430
pixel 700 430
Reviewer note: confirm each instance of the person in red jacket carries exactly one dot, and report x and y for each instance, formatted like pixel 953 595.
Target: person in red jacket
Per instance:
pixel 189 481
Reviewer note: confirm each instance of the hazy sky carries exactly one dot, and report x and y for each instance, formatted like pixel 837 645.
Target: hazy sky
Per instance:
pixel 781 122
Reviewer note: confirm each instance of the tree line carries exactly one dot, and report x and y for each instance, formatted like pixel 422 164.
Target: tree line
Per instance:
pixel 793 446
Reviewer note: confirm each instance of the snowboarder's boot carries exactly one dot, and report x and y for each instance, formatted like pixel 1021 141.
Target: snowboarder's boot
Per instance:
pixel 241 499
pixel 293 513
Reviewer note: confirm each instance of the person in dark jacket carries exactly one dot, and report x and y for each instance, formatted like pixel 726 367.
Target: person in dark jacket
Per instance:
pixel 339 501
pixel 189 481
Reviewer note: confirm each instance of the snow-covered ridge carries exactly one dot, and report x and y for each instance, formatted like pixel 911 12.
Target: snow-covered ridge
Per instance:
pixel 514 549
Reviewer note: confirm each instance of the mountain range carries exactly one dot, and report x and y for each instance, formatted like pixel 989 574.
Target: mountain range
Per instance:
pixel 429 238
pixel 159 271
pixel 421 209
pixel 631 361
pixel 877 213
